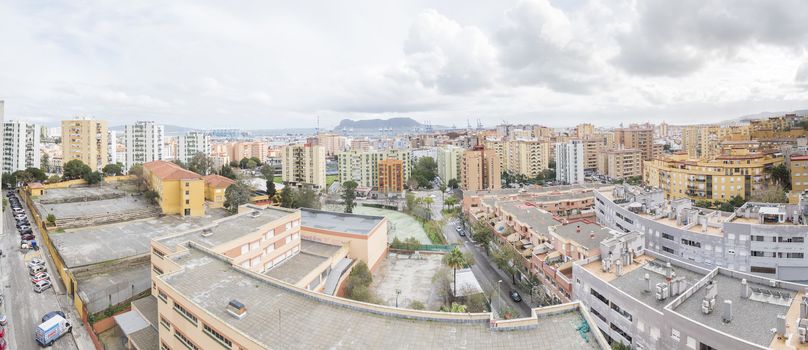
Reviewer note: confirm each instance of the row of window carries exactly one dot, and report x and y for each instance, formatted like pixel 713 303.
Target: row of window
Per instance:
pixel 779 239
pixel 691 243
pixel 779 255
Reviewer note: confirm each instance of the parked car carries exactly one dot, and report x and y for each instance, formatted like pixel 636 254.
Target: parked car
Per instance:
pixel 27 237
pixel 3 320
pixel 36 262
pixel 50 330
pixel 2 332
pixel 42 286
pixel 3 344
pixel 50 315
pixel 18 210
pixel 42 276
pixel 515 296
pixel 33 270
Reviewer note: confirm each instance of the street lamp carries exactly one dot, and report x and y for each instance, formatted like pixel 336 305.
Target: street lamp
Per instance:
pixel 398 292
pixel 498 287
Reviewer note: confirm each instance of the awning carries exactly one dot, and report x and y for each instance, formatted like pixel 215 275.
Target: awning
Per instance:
pixel 130 322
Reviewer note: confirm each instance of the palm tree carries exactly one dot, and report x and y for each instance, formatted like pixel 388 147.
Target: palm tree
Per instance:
pixel 428 202
pixel 455 260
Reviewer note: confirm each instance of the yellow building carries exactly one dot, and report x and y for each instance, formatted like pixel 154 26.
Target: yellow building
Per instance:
pixel 180 191
pixel 481 170
pixel 215 187
pixel 85 140
pixel 735 173
pixel 704 141
pixel 527 157
pixel 593 146
pixel 799 174
pixel 391 176
pixel 620 163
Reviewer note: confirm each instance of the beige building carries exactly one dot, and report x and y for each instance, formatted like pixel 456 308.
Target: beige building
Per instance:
pixel 527 157
pixel 363 166
pixel 303 164
pixel 584 130
pixel 240 150
pixel 594 145
pixel 85 140
pixel 799 175
pixel 449 159
pixel 481 170
pixel 620 163
pixel 640 138
pixel 735 173
pixel 366 235
pixel 391 176
pixel 332 143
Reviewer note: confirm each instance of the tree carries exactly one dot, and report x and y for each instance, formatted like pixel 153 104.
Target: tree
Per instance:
pixel 152 196
pixel 113 169
pixel 44 163
pixel 251 164
pixel 737 201
pixel 180 163
pixel 457 308
pixel 453 184
pixel 201 164
pixel 307 198
pixel 234 164
pixel 357 283
pixel 781 175
pixel 482 234
pixel 227 172
pixel 726 206
pixel 475 302
pixel 425 171
pixel 75 169
pixel 51 219
pixel 9 180
pixel 236 195
pixel 455 260
pixel 140 177
pixel 243 162
pixel 37 174
pixel 94 177
pixel 349 195
pixel 287 197
pixel 271 188
pixel 508 260
pixel 442 189
pixel 769 194
pixel 256 161
pixel 54 179
pixel 267 171
pixel 450 202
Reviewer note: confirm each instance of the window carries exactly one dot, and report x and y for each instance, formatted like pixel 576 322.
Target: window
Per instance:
pixel 675 334
pixel 157 270
pixel 621 311
pixel 599 296
pixel 288 225
pixel 667 236
pixel 758 253
pixel 760 269
pixel 596 313
pixel 185 313
pixel 187 184
pixel 691 243
pixel 255 246
pixel 187 202
pixel 288 239
pixel 216 335
pixel 269 234
pixel 245 249
pixel 185 341
pixel 165 323
pixel 703 346
pixel 162 295
pixel 187 192
pixel 621 332
pixel 668 250
pixel 187 211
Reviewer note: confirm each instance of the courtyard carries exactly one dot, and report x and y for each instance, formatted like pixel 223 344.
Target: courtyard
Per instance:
pixel 412 275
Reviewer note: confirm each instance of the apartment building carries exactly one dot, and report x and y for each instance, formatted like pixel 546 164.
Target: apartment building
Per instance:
pixel 332 143
pixel 527 157
pixel 584 130
pixel 391 176
pixel 645 300
pixel 480 170
pixel 638 137
pixel 761 238
pixel 179 191
pixel 365 235
pixel 363 166
pixel 215 188
pixel 737 172
pixel 191 143
pixel 594 145
pixel 85 140
pixel 303 165
pixel 112 148
pixel 569 157
pixel 620 163
pixel 449 159
pixel 799 174
pixel 144 142
pixel 20 145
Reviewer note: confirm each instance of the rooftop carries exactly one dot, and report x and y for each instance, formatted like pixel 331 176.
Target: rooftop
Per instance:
pixel 311 255
pixel 211 283
pixel 536 218
pixel 80 194
pixel 339 222
pixel 218 181
pixel 170 171
pixel 584 233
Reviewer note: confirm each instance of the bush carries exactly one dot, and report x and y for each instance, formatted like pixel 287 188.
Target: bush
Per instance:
pixel 434 230
pixel 51 219
pixel 356 287
pixel 417 305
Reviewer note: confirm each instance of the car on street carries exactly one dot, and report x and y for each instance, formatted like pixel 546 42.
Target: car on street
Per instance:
pixel 3 344
pixel 3 320
pixel 33 270
pixel 51 330
pixel 27 237
pixel 515 296
pixel 42 286
pixel 42 276
pixel 36 262
pixel 50 315
pixel 2 332
pixel 19 217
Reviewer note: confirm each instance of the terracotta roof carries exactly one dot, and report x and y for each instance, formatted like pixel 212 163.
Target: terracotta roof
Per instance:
pixel 170 171
pixel 218 181
pixel 799 157
pixel 35 185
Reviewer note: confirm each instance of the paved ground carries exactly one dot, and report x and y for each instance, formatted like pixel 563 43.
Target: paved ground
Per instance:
pixel 410 275
pixel 22 306
pixel 487 273
pixel 402 225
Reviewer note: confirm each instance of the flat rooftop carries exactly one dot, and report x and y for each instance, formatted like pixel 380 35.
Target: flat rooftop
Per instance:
pixel 530 215
pixel 339 222
pixel 79 194
pixel 93 208
pixel 211 284
pixel 91 245
pixel 311 255
pixel 586 234
pixel 229 228
pixel 751 320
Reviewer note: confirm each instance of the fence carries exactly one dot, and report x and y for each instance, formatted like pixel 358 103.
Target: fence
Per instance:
pixel 113 295
pixel 425 247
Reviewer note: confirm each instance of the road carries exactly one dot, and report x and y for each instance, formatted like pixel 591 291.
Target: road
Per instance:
pixel 487 274
pixel 22 306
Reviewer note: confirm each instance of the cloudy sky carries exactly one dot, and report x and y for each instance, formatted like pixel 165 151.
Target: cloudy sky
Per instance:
pixel 279 64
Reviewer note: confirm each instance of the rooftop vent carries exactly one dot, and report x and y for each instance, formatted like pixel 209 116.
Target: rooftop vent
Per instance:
pixel 727 316
pixel 744 289
pixel 236 309
pixel 207 232
pixel 255 214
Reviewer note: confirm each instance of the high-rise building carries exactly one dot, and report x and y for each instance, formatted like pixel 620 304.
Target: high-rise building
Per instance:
pixel 144 142
pixel 569 158
pixel 303 165
pixel 584 130
pixel 191 143
pixel 620 163
pixel 594 145
pixel 799 174
pixel 449 159
pixel 112 147
pixel 20 145
pixel 333 143
pixel 363 166
pixel 253 149
pixel 527 157
pixel 663 130
pixel 85 140
pixel 639 137
pixel 391 176
pixel 481 170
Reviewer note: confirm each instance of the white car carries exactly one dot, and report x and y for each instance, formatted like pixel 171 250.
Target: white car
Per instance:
pixel 36 262
pixel 41 286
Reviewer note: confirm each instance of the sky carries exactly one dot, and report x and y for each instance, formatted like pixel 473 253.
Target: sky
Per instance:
pixel 282 64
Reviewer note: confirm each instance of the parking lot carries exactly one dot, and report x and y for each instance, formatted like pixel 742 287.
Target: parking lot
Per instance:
pixel 22 306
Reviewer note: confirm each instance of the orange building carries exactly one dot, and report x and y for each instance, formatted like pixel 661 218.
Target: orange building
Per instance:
pixel 391 176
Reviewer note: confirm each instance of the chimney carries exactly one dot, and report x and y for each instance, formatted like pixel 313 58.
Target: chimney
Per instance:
pixel 236 309
pixel 668 271
pixel 619 267
pixel 647 282
pixel 744 289
pixel 727 317
pixel 780 325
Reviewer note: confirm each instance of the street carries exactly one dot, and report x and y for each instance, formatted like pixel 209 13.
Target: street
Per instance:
pixel 22 306
pixel 487 274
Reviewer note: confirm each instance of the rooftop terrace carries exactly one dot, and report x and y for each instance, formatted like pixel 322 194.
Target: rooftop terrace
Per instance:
pixel 586 234
pixel 311 255
pixel 339 222
pixel 536 218
pixel 331 322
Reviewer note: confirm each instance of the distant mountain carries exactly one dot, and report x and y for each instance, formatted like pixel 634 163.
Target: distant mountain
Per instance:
pixel 763 115
pixel 392 123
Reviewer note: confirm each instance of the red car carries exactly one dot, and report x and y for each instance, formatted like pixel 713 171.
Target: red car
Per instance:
pixel 2 332
pixel 2 344
pixel 41 276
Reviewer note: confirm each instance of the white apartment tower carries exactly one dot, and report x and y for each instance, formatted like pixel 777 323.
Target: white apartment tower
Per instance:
pixel 303 165
pixel 144 143
pixel 112 147
pixel 570 162
pixel 192 143
pixel 20 145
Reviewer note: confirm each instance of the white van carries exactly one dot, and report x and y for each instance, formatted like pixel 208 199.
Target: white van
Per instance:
pixel 33 270
pixel 42 286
